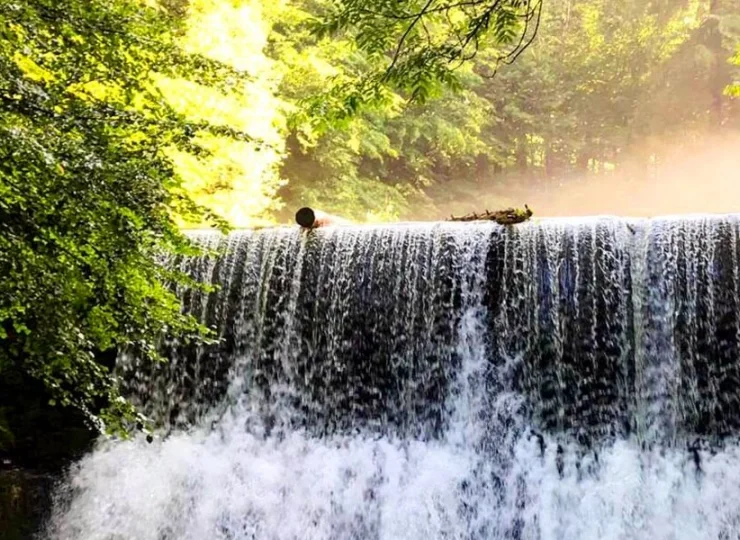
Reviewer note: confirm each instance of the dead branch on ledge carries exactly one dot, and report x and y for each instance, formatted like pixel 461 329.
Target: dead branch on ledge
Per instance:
pixel 509 216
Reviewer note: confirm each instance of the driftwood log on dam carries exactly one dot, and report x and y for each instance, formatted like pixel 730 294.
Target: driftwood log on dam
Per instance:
pixel 509 216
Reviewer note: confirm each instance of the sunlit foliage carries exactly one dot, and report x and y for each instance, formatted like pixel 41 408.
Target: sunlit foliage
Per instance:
pixel 88 197
pixel 734 89
pixel 238 179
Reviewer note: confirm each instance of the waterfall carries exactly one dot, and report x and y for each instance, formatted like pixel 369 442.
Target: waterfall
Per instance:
pixel 564 380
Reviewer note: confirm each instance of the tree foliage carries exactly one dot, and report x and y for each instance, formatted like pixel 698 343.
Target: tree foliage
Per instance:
pixel 734 89
pixel 88 197
pixel 422 42
pixel 238 178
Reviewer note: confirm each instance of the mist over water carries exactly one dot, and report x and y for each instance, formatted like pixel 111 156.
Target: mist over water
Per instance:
pixel 682 177
pixel 569 379
pixel 700 177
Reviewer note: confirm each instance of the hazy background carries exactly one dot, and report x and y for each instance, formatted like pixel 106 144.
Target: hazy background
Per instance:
pixel 689 178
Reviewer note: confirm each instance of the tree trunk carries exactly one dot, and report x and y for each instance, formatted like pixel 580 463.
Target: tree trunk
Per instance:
pixel 521 156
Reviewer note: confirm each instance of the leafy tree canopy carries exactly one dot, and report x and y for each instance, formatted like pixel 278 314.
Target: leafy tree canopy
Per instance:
pixel 416 46
pixel 426 40
pixel 734 89
pixel 88 198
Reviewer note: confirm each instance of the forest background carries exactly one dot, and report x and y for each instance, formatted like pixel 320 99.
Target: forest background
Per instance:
pixel 617 107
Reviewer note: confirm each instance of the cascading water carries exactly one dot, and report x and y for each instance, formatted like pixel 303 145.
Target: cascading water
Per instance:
pixel 563 380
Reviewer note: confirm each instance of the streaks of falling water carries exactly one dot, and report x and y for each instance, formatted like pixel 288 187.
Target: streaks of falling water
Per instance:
pixel 461 381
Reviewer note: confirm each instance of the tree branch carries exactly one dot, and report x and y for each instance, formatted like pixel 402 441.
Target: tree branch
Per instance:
pixel 401 42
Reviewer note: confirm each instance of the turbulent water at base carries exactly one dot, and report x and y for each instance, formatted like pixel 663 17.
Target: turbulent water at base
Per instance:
pixel 564 380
